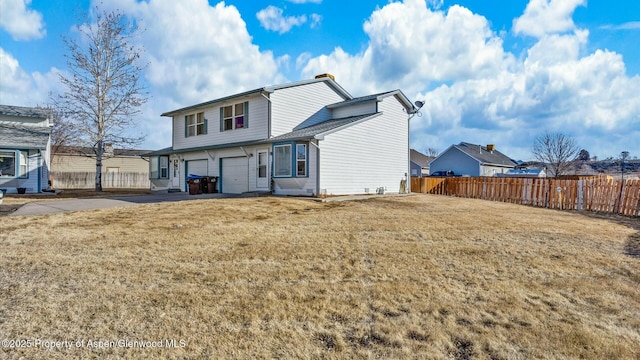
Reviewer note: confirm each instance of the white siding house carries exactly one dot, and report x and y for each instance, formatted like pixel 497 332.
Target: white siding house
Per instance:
pixel 24 148
pixel 306 138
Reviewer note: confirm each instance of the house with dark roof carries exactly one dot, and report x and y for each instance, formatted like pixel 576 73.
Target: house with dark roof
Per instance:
pixel 24 148
pixel 472 160
pixel 419 163
pixel 308 137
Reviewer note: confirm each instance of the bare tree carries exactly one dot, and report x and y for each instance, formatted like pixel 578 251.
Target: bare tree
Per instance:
pixel 63 133
pixel 432 152
pixel 103 93
pixel 557 150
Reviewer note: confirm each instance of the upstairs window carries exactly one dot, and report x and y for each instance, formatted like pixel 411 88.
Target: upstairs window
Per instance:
pixel 234 116
pixel 195 124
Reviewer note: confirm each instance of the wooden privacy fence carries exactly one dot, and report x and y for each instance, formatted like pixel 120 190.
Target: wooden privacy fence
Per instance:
pixel 598 194
pixel 87 180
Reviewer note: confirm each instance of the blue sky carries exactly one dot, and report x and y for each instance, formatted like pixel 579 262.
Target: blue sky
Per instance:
pixel 496 72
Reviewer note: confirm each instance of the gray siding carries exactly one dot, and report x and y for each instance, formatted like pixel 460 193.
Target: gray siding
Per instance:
pixel 457 161
pixel 258 121
pixel 355 110
pixel 367 155
pixel 292 106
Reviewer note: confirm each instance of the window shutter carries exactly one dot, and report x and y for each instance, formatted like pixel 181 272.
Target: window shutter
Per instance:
pixel 186 127
pixel 246 114
pixel 221 119
pixel 206 126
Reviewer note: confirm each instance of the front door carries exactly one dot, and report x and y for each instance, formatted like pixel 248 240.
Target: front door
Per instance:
pixel 175 172
pixel 263 170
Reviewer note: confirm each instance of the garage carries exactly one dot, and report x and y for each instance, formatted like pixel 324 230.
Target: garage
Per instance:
pixel 235 175
pixel 197 167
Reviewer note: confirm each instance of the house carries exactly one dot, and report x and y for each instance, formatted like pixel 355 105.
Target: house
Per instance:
pixel 309 137
pixel 74 167
pixel 472 160
pixel 24 148
pixel 419 163
pixel 80 158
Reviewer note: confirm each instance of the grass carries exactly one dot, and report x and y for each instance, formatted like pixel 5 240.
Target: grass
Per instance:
pixel 412 277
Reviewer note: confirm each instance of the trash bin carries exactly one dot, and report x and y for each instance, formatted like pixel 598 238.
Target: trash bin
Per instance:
pixel 204 184
pixel 212 184
pixel 194 182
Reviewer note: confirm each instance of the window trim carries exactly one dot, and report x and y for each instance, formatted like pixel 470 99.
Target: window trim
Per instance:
pixel 306 157
pixel 19 164
pixel 18 172
pixel 293 161
pixel 195 122
pixel 275 157
pixel 161 167
pixel 233 118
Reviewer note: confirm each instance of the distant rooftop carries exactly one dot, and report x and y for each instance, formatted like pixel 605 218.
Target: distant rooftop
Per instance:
pixel 33 112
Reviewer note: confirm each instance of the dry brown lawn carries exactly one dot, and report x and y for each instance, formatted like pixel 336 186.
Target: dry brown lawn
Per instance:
pixel 412 277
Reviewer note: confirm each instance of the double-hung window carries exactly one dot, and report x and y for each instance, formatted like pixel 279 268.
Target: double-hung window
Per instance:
pixel 234 116
pixel 290 160
pixel 14 164
pixel 195 124
pixel 8 163
pixel 301 159
pixel 164 167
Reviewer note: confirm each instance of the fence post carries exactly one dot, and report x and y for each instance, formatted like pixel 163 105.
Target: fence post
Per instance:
pixel 580 195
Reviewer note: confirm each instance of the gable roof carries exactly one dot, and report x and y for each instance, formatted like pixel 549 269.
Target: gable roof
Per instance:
pixel 420 159
pixel 32 112
pixel 24 137
pixel 267 89
pixel 485 156
pixel 402 98
pixel 323 128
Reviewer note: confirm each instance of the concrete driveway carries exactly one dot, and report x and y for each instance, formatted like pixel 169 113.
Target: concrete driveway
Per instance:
pixel 91 203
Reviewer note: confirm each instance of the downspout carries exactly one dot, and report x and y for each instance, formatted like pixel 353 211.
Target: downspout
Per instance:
pixel 317 146
pixel 268 115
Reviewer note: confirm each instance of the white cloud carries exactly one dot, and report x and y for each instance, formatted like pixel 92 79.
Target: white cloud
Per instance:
pixel 411 45
pixel 476 91
pixel 631 25
pixel 543 17
pixel 585 97
pixel 196 53
pixel 316 19
pixel 21 88
pixel 271 18
pixel 21 22
pixel 305 1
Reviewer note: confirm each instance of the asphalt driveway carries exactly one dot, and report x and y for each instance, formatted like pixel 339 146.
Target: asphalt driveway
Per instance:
pixel 58 206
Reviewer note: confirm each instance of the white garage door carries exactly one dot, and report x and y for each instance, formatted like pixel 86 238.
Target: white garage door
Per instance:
pixel 235 175
pixel 197 167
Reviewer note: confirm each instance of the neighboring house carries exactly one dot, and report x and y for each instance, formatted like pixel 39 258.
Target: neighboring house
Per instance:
pixel 308 137
pixel 24 148
pixel 74 167
pixel 83 159
pixel 472 160
pixel 419 163
pixel 526 173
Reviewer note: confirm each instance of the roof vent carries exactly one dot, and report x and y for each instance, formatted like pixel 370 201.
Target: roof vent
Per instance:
pixel 326 75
